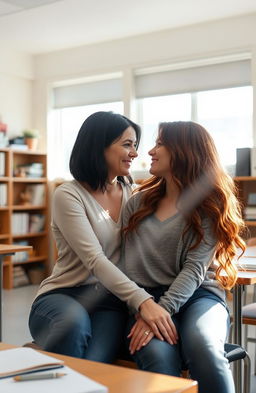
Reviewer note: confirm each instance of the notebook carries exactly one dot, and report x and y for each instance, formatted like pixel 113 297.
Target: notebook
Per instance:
pixel 17 361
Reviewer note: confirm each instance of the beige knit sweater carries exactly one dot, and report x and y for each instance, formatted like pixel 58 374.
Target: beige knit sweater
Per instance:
pixel 88 243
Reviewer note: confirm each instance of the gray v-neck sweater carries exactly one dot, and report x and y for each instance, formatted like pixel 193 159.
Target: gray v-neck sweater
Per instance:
pixel 88 243
pixel 157 254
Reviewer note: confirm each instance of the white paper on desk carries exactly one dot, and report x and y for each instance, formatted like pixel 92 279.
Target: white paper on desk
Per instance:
pixel 250 251
pixel 73 382
pixel 16 361
pixel 248 259
pixel 248 263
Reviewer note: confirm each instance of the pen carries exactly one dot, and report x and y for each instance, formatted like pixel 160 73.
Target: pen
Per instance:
pixel 34 377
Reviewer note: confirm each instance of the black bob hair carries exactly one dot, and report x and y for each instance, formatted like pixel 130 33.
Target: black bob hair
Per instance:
pixel 87 161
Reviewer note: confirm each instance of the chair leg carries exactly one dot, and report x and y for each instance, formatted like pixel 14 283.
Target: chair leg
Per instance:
pixel 255 359
pixel 245 337
pixel 247 374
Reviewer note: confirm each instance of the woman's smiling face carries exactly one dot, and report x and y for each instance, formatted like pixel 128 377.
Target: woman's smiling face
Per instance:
pixel 120 154
pixel 160 159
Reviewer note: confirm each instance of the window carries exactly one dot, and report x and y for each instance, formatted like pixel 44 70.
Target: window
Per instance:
pixel 225 113
pixel 64 125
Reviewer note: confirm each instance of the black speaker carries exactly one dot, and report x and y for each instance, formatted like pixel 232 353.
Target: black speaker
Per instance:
pixel 243 161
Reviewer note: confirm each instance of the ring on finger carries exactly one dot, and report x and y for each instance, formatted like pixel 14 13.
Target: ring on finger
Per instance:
pixel 147 332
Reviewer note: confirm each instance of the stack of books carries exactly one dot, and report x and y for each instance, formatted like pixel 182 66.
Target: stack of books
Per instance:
pixel 33 170
pixel 34 194
pixel 23 223
pixel 250 213
pixel 20 277
pixel 20 256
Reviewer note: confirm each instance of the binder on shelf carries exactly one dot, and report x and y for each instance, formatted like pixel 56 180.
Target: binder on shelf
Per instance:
pixel 243 161
pixel 253 161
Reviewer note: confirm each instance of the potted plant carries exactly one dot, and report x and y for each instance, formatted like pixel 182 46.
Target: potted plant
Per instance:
pixel 31 138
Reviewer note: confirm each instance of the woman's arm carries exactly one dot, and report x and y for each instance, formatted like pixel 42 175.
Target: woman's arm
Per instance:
pixel 69 213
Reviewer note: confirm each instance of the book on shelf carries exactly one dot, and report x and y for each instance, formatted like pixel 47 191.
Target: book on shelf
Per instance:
pixel 20 256
pixel 3 194
pixel 250 213
pixel 18 146
pixel 23 223
pixel 2 164
pixel 32 170
pixel 36 223
pixel 253 161
pixel 34 194
pixel 20 277
pixel 251 199
pixel 20 223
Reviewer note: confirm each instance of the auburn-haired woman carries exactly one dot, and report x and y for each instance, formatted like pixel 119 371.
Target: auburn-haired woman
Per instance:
pixel 182 231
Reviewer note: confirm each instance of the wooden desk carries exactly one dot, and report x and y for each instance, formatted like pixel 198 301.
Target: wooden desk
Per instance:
pixel 7 249
pixel 125 380
pixel 244 278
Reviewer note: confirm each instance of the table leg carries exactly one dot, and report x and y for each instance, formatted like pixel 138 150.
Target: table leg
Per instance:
pixel 1 288
pixel 1 285
pixel 237 315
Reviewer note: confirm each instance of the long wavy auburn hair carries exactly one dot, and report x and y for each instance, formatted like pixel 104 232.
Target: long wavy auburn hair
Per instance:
pixel 206 190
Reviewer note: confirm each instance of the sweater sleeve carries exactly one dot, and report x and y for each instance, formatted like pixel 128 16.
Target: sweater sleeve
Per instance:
pixel 193 271
pixel 69 213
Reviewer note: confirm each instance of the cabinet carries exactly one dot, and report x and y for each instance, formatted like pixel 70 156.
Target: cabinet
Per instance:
pixel 24 210
pixel 246 186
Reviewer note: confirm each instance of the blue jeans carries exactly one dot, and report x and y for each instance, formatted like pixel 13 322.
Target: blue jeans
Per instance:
pixel 202 325
pixel 85 322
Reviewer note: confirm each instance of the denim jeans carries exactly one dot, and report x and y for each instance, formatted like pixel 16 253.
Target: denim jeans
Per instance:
pixel 202 325
pixel 85 322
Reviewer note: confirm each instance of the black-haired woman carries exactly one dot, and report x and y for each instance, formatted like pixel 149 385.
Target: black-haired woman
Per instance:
pixel 79 304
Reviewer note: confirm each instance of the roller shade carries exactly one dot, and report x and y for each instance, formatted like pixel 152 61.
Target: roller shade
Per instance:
pixel 88 93
pixel 210 77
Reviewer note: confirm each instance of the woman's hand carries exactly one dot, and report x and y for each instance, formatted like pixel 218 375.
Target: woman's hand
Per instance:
pixel 159 320
pixel 140 335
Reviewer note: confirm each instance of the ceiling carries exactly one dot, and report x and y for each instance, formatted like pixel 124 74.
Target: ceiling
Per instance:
pixel 39 26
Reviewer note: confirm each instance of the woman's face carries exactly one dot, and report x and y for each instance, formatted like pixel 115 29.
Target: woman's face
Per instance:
pixel 120 154
pixel 160 160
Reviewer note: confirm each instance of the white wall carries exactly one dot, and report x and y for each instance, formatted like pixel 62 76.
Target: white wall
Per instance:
pixel 16 82
pixel 219 38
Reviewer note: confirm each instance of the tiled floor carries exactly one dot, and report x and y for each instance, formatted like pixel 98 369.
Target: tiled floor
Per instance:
pixel 16 306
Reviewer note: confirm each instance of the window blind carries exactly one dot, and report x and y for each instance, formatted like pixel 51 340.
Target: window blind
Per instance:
pixel 209 77
pixel 95 92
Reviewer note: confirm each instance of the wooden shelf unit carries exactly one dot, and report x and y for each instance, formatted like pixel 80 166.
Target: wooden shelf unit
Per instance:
pixel 16 185
pixel 245 186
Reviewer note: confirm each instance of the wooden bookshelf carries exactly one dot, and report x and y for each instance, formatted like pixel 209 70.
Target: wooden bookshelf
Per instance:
pixel 247 185
pixel 17 214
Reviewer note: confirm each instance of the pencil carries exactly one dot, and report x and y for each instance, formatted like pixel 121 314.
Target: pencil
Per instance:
pixel 35 377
